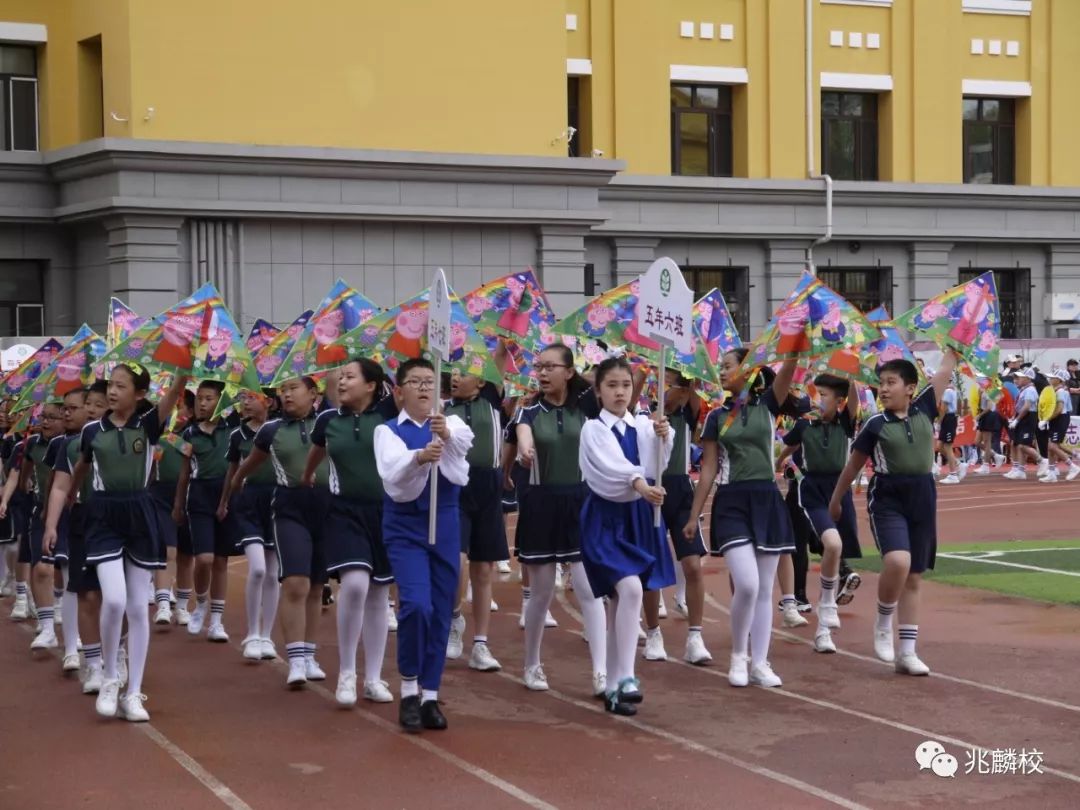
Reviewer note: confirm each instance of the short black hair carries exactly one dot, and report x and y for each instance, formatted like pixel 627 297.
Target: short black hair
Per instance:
pixel 838 385
pixel 414 362
pixel 609 365
pixel 1072 361
pixel 213 385
pixel 189 399
pixel 905 369
pixel 99 387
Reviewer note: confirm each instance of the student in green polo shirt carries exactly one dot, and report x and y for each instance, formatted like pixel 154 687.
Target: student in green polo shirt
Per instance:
pixel 902 499
pixel 169 456
pixel 123 541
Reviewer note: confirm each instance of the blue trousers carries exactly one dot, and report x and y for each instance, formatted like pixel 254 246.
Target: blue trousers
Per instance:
pixel 427 581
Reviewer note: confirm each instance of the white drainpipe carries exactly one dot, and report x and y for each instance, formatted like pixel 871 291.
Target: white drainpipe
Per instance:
pixel 810 163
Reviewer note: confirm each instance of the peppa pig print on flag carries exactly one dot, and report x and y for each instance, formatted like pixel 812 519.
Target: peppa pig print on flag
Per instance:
pixel 716 326
pixel 269 358
pixel 401 333
pixel 122 322
pixel 965 318
pixel 514 307
pixel 30 369
pixel 262 333
pixel 71 369
pixel 316 349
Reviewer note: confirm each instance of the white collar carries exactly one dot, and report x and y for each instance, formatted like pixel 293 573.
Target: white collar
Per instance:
pixel 610 420
pixel 404 415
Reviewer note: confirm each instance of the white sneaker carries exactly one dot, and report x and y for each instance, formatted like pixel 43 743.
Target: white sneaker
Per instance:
pixel 1016 474
pixel 71 663
pixel 494 606
pixel 269 652
pixel 481 659
pixel 45 640
pixel 521 619
pixel 911 665
pixel 549 620
pixel 828 617
pixel 696 653
pixel 8 588
pixel 654 647
pixel 253 648
pixel 663 608
pixel 391 623
pixel 823 642
pixel 312 670
pixel 1044 467
pixel 21 609
pixel 198 618
pixel 164 614
pixel 183 617
pixel 131 709
pixel 1050 478
pixel 962 470
pixel 378 692
pixel 883 645
pixel 599 684
pixel 95 678
pixel 999 459
pixel 108 698
pixel 503 566
pixel 535 678
pixel 982 469
pixel 949 479
pixel 122 666
pixel 297 673
pixel 217 633
pixel 455 645
pixel 762 675
pixel 792 617
pixel 346 689
pixel 681 609
pixel 558 577
pixel 738 673
pixel 641 635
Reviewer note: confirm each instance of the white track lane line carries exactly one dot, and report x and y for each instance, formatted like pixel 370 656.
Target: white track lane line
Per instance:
pixel 1010 505
pixel 984 561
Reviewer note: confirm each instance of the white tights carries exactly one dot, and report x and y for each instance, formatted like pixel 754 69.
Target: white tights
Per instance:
pixel 69 610
pixel 362 611
pixel 622 630
pixel 262 590
pixel 125 588
pixel 542 585
pixel 752 574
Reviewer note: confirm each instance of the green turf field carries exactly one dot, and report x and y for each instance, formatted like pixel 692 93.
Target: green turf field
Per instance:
pixel 1047 570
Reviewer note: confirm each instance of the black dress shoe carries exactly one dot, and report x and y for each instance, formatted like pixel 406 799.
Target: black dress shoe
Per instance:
pixel 431 716
pixel 409 714
pixel 614 704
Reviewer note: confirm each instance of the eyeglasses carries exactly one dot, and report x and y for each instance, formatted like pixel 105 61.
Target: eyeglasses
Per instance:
pixel 71 408
pixel 421 385
pixel 543 367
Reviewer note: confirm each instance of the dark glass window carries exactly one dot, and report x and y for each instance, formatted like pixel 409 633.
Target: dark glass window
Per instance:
pixel 866 287
pixel 1014 298
pixel 590 280
pixel 18 98
pixel 701 130
pixel 732 282
pixel 573 115
pixel 21 307
pixel 989 140
pixel 849 135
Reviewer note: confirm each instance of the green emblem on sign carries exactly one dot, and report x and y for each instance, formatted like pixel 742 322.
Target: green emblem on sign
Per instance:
pixel 665 282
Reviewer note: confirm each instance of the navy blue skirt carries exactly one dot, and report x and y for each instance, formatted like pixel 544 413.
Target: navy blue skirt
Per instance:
pixel 750 513
pixel 353 539
pixel 549 524
pixel 619 540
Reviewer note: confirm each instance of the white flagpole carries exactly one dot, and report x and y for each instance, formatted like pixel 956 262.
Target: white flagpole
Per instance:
pixel 433 513
pixel 660 379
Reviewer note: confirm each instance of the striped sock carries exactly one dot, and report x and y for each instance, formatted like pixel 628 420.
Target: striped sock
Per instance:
pixel 58 594
pixel 45 616
pixel 201 598
pixel 479 639
pixel 828 590
pixel 92 654
pixel 183 597
pixel 161 596
pixel 694 629
pixel 309 650
pixel 526 593
pixel 885 613
pixel 787 599
pixel 217 611
pixel 909 634
pixel 295 651
pixel 20 589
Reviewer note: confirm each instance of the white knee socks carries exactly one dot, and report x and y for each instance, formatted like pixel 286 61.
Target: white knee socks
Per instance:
pixel 375 630
pixel 592 614
pixel 69 610
pixel 627 608
pixel 542 586
pixel 351 600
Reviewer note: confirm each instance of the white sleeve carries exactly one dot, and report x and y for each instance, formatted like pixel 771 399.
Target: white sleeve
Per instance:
pixel 403 479
pixel 454 465
pixel 604 468
pixel 647 445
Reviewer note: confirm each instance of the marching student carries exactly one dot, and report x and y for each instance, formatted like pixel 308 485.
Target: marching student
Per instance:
pixel 902 500
pixel 823 446
pixel 950 414
pixel 426 572
pixel 1058 426
pixel 549 508
pixel 988 425
pixel 1023 426
pixel 483 529
pixel 169 458
pixel 298 514
pixel 17 550
pixel 210 540
pixel 622 551
pixel 750 524
pixel 252 510
pixel 8 547
pixel 123 542
pixel 355 553
pixel 681 407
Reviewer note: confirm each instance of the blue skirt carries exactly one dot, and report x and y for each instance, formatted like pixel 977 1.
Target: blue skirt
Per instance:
pixel 618 540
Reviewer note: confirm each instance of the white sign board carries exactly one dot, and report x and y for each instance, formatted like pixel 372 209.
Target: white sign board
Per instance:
pixel 666 306
pixel 438 324
pixel 11 359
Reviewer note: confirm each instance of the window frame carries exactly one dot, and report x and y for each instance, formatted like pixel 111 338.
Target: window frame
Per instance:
pixel 720 146
pixel 7 141
pixel 573 115
pixel 1018 313
pixel 866 135
pixel 737 295
pixel 998 172
pixel 862 299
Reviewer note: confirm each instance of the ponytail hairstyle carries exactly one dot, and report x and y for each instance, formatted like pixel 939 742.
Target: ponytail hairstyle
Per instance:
pixel 140 377
pixel 609 365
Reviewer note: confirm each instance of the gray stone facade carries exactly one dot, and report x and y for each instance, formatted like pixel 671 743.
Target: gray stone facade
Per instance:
pixel 274 227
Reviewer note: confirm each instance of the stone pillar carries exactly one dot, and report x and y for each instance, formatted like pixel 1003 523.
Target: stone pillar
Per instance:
pixel 144 257
pixel 785 260
pixel 930 275
pixel 561 266
pixel 632 257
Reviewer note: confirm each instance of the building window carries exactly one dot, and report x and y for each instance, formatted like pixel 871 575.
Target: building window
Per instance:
pixel 573 115
pixel 22 312
pixel 589 290
pixel 733 283
pixel 866 287
pixel 701 130
pixel 989 140
pixel 1014 298
pixel 18 99
pixel 849 135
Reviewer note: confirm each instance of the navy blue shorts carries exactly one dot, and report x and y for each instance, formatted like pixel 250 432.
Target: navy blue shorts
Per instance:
pixel 947 431
pixel 163 494
pixel 903 517
pixel 253 515
pixel 123 524
pixel 80 578
pixel 208 535
pixel 1024 432
pixel 990 422
pixel 298 514
pixel 1059 426
pixel 678 502
pixel 549 524
pixel 25 556
pixel 750 513
pixel 353 539
pixel 483 528
pixel 814 492
pixel 7 528
pixel 60 551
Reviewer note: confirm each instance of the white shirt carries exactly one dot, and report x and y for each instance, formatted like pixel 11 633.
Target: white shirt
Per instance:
pixel 605 469
pixel 404 479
